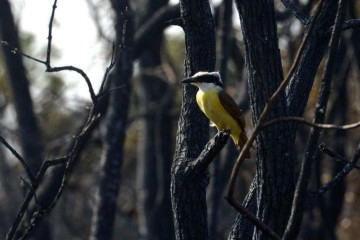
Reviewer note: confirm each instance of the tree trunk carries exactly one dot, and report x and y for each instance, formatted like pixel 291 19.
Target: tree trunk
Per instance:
pixel 275 144
pixel 154 150
pixel 115 126
pixel 188 190
pixel 274 150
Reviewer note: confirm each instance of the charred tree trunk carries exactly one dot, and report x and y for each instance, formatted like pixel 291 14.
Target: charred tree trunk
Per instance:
pixel 188 184
pixel 154 150
pixel 274 150
pixel 275 145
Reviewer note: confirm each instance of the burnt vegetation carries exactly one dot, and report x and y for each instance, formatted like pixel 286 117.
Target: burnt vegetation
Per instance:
pixel 137 160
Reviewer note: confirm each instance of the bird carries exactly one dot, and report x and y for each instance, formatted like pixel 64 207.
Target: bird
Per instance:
pixel 218 106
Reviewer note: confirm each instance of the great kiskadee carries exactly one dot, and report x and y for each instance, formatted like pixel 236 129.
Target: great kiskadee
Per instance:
pixel 218 106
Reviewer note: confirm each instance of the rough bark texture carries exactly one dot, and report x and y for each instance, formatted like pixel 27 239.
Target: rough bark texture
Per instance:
pixel 115 126
pixel 274 150
pixel 188 192
pixel 275 145
pixel 154 150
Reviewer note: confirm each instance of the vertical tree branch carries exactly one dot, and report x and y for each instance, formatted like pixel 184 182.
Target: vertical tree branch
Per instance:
pixel 154 151
pixel 115 125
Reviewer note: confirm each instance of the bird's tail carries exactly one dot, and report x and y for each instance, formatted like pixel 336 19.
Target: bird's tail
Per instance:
pixel 241 143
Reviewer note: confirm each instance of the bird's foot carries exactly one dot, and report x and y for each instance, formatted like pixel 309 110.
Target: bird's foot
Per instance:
pixel 225 131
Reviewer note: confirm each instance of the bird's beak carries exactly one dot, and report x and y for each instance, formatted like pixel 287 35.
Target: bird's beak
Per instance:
pixel 189 80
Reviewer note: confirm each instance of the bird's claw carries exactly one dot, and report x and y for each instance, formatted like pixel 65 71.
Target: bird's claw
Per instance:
pixel 226 131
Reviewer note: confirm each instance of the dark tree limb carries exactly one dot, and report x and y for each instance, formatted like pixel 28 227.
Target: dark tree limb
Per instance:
pixel 154 26
pixel 296 12
pixel 19 157
pixel 335 155
pixel 312 124
pixel 293 226
pixel 212 148
pixel 342 174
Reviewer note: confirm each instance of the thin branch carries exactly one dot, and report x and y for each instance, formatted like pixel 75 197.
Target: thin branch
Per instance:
pixel 47 62
pixel 30 194
pixel 82 73
pixel 18 156
pixel 342 174
pixel 48 53
pixel 15 50
pixel 347 25
pixel 351 24
pixel 312 124
pixel 334 155
pixel 303 18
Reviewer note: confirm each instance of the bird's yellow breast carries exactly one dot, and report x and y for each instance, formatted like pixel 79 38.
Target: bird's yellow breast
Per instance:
pixel 210 104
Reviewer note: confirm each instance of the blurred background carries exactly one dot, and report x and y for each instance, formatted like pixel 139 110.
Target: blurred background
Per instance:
pixel 83 35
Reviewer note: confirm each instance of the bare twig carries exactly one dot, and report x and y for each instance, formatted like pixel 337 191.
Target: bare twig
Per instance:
pixel 30 194
pixel 48 52
pixel 340 176
pixel 334 155
pixel 47 62
pixel 18 156
pixel 74 153
pixel 312 124
pixel 79 71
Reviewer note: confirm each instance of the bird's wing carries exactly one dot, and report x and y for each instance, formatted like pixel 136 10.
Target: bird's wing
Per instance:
pixel 230 106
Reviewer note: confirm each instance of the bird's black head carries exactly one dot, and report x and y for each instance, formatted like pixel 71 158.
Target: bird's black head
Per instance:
pixel 205 77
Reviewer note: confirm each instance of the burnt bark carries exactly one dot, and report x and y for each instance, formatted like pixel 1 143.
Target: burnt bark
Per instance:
pixel 274 176
pixel 188 192
pixel 275 146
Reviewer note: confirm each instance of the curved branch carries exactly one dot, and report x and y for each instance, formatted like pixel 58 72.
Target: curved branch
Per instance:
pixel 79 71
pixel 312 124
